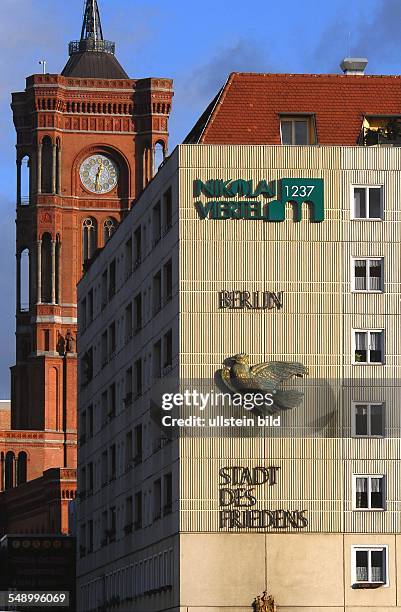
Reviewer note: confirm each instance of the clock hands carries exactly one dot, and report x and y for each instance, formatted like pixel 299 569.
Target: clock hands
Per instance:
pixel 99 174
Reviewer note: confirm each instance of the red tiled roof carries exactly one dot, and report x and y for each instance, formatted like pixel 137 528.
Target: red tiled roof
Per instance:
pixel 248 108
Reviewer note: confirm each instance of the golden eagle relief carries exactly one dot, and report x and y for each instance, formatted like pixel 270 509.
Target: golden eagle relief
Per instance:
pixel 239 377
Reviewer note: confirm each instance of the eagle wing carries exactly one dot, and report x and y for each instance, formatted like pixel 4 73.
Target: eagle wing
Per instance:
pixel 277 372
pixel 225 374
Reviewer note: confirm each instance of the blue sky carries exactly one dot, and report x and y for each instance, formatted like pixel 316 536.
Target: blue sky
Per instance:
pixel 197 44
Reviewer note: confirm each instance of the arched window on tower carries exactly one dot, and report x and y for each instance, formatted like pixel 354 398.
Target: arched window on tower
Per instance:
pixel 89 238
pixel 159 156
pixel 46 258
pixel 9 471
pixel 58 271
pixel 109 227
pixel 24 281
pixel 25 181
pixel 47 165
pixel 22 468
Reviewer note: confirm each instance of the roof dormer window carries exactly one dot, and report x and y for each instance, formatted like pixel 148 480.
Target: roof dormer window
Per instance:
pixel 385 130
pixel 297 130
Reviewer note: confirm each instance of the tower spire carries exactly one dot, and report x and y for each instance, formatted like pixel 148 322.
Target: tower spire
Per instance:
pixel 91 33
pixel 93 56
pixel 91 26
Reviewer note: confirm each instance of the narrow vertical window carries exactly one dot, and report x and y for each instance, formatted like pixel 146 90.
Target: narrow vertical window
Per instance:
pixel 89 238
pixel 109 227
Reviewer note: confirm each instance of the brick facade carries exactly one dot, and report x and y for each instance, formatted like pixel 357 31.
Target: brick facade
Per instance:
pixel 60 121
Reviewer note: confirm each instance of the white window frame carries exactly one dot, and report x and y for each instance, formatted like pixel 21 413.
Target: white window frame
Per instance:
pixel 369 405
pixel 368 331
pixel 369 548
pixel 367 259
pixel 294 118
pixel 364 186
pixel 369 477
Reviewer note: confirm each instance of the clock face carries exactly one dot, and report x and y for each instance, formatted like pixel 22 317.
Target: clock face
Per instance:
pixel 99 174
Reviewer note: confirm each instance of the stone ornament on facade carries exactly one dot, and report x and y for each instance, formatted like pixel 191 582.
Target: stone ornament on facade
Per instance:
pixel 264 603
pixel 239 377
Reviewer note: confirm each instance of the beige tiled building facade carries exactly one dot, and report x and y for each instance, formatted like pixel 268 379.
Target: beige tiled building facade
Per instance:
pixel 163 525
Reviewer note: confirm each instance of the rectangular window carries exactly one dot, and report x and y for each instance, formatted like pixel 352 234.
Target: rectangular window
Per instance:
pixel 156 223
pixel 113 462
pixel 46 334
pixel 297 131
pixel 104 349
pixel 82 313
pixel 113 524
pixel 367 202
pixel 368 274
pixel 90 536
pixel 86 366
pixel 369 420
pixel 104 408
pixel 137 247
pixel 368 492
pixel 82 436
pixel 168 493
pixel 138 510
pixel 104 468
pixel 104 289
pixel 157 359
pixel 128 323
pixel 112 401
pixel 82 484
pixel 138 312
pixel 90 478
pixel 112 279
pixel 90 421
pixel 368 346
pixel 104 528
pixel 82 541
pixel 90 306
pixel 138 444
pixel 129 449
pixel 138 377
pixel 128 515
pixel 112 340
pixel 128 387
pixel 157 292
pixel 157 499
pixel 168 209
pixel 128 258
pixel 369 564
pixel 167 281
pixel 168 349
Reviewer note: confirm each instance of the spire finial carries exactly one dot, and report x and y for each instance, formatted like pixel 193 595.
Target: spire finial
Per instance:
pixel 91 26
pixel 91 33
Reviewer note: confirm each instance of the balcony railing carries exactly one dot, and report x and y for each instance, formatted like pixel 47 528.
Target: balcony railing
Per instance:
pixel 90 44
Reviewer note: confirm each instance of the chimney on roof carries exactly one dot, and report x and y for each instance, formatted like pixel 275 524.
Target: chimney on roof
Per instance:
pixel 354 65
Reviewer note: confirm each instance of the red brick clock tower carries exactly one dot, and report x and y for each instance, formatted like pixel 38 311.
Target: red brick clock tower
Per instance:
pixel 86 141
